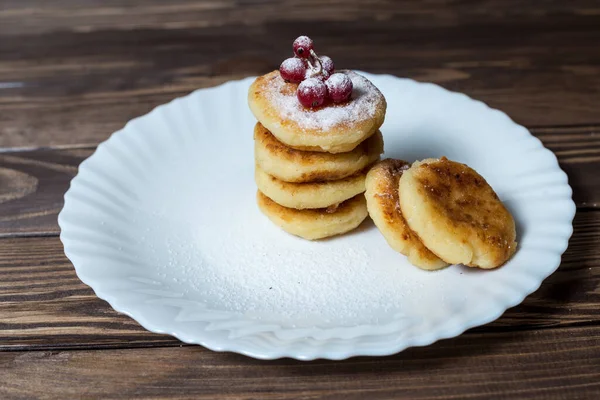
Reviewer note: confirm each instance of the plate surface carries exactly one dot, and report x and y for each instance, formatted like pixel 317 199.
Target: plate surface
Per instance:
pixel 161 222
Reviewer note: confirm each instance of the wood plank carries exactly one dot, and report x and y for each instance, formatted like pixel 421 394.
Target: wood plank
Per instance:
pixel 73 74
pixel 18 17
pixel 578 153
pixel 32 183
pixel 44 305
pixel 547 364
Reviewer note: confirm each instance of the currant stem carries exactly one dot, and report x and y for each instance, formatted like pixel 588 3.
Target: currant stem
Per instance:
pixel 315 71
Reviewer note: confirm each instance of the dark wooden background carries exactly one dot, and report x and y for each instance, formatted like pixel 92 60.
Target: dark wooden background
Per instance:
pixel 73 71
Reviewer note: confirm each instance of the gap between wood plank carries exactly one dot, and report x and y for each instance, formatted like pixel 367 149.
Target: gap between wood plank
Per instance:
pixel 8 150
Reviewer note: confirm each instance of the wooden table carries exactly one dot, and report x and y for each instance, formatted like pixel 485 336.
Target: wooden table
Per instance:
pixel 73 71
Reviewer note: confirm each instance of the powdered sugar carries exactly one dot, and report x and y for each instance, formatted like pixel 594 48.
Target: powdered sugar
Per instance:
pixel 302 46
pixel 311 84
pixel 294 282
pixel 327 64
pixel 339 87
pixel 293 64
pixel 230 257
pixel 363 104
pixel 293 70
pixel 337 80
pixel 303 41
pixel 311 92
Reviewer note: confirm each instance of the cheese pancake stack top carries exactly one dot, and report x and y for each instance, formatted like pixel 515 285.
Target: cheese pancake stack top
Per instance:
pixel 316 137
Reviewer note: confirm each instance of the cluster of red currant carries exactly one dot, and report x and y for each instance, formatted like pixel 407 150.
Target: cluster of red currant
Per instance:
pixel 316 76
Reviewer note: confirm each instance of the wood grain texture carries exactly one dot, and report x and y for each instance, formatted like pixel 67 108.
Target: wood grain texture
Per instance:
pixel 32 183
pixel 548 364
pixel 44 305
pixel 578 152
pixel 39 16
pixel 72 72
pixel 32 186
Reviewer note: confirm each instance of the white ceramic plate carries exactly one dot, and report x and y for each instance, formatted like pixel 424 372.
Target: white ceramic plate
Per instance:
pixel 161 222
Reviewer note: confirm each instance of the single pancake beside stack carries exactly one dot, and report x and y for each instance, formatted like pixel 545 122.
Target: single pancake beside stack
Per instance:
pixel 383 202
pixel 311 163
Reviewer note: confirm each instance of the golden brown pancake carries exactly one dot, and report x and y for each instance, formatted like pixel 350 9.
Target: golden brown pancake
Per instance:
pixel 333 128
pixel 315 224
pixel 457 214
pixel 292 165
pixel 384 208
pixel 309 194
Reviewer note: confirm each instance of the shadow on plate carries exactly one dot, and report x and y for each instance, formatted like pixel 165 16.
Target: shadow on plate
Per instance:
pixel 365 226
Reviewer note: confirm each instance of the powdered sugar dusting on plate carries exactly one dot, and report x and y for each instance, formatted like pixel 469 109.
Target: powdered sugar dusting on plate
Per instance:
pixel 363 104
pixel 299 284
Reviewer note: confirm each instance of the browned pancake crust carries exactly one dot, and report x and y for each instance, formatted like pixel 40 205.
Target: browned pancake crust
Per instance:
pixel 383 204
pixel 465 208
pixel 315 224
pixel 309 194
pixel 292 165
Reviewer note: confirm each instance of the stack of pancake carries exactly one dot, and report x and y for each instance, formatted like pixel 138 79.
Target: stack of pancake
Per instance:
pixel 311 164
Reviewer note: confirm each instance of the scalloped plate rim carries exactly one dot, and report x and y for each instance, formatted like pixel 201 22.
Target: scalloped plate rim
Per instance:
pixel 225 345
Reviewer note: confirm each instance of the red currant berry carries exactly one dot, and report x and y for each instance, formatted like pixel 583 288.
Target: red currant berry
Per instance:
pixel 339 87
pixel 293 70
pixel 302 46
pixel 312 92
pixel 327 64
